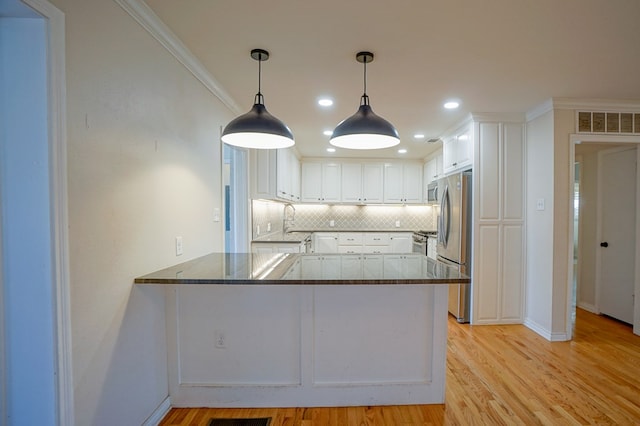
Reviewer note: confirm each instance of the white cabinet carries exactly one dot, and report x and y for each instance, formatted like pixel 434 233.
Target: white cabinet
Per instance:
pixel 457 150
pixel 403 183
pixel 433 169
pixel 275 174
pixel 324 266
pixel 401 242
pixel 432 247
pixel 325 242
pixel 499 223
pixel 362 183
pixel 400 266
pixel 321 182
pixel 260 247
pixel 287 175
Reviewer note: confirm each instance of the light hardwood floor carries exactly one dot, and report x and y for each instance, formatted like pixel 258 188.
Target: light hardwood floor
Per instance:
pixel 500 375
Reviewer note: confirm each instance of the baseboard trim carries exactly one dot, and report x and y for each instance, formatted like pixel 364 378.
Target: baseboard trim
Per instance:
pixel 158 414
pixel 588 307
pixel 550 336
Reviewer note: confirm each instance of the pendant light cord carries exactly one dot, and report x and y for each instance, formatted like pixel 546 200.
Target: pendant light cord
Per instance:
pixel 365 99
pixel 259 99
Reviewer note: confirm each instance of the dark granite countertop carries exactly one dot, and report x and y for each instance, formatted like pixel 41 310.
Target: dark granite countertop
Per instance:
pixel 307 269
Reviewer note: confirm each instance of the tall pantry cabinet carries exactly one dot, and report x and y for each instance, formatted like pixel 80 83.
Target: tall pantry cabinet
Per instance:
pixel 499 220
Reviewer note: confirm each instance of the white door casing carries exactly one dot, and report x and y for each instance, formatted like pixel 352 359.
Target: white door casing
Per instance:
pixel 615 258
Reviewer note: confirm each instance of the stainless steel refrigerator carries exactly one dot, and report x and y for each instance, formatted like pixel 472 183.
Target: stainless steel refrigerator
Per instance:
pixel 454 237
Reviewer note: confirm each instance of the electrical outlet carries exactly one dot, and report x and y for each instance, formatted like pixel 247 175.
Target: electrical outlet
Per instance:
pixel 268 226
pixel 397 224
pixel 257 229
pixel 540 204
pixel 332 223
pixel 220 339
pixel 179 246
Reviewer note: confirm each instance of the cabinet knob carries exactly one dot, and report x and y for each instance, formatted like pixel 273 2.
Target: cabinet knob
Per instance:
pixel 454 164
pixel 604 244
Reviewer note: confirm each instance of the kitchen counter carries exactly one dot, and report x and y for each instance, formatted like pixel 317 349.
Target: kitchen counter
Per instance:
pixel 299 330
pixel 306 269
pixel 282 237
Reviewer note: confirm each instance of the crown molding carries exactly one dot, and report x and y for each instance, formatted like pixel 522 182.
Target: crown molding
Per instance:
pixel 539 110
pixel 143 14
pixel 502 117
pixel 593 104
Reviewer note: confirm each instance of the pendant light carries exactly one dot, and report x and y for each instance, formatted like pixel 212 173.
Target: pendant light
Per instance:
pixel 257 128
pixel 365 129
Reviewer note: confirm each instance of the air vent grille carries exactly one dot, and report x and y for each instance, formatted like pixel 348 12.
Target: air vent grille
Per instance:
pixel 625 123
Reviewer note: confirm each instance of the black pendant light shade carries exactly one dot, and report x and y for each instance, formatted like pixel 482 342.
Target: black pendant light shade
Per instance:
pixel 257 128
pixel 365 129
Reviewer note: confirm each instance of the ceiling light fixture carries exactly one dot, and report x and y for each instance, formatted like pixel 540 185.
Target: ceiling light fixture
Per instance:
pixel 331 150
pixel 327 132
pixel 452 105
pixel 402 151
pixel 365 129
pixel 418 136
pixel 325 102
pixel 257 128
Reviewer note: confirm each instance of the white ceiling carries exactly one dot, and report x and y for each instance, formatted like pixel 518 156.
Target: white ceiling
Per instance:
pixel 492 55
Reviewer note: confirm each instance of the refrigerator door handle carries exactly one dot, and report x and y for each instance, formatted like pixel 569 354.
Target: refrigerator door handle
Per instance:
pixel 445 217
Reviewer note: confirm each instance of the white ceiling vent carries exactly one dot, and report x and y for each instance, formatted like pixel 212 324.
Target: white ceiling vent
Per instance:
pixel 608 122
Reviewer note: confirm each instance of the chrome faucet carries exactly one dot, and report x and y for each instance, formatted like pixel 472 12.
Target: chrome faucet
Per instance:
pixel 288 216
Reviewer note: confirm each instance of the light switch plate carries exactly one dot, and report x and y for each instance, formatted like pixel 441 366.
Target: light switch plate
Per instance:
pixel 540 204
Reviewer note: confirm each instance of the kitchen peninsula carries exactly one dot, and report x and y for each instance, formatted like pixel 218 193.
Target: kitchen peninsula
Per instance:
pixel 282 329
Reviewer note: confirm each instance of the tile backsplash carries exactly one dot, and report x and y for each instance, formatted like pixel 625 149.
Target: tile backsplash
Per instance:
pixel 310 217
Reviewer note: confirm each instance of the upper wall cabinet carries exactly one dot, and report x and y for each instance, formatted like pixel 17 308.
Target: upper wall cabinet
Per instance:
pixel 403 183
pixel 457 150
pixel 362 183
pixel 433 168
pixel 275 174
pixel 321 182
pixel 288 175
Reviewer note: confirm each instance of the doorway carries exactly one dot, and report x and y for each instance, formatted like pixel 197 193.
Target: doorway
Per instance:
pixel 236 199
pixel 595 269
pixel 35 348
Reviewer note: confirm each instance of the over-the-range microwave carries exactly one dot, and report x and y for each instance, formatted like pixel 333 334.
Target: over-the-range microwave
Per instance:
pixel 432 193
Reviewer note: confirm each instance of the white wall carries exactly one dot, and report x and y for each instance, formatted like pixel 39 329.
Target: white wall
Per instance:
pixel 540 226
pixel 144 167
pixel 28 315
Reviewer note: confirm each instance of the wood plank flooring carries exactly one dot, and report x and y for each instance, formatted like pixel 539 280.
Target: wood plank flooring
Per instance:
pixel 500 375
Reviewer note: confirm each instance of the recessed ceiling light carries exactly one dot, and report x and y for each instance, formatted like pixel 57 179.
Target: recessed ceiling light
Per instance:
pixel 325 102
pixel 418 136
pixel 452 105
pixel 331 150
pixel 327 132
pixel 402 151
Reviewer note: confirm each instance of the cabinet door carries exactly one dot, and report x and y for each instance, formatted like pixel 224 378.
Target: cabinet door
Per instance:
pixel 351 267
pixel 439 171
pixel 464 149
pixel 331 267
pixel 331 182
pixel 325 242
pixel 393 183
pixel 263 173
pixel 449 154
pixel 294 170
pixel 311 267
pixel 412 183
pixel 311 182
pixel 401 242
pixel 373 183
pixel 431 170
pixel 351 183
pixel 283 174
pixel 372 266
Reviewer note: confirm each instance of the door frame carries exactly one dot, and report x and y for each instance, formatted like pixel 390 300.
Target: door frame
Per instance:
pixel 58 208
pixel 603 139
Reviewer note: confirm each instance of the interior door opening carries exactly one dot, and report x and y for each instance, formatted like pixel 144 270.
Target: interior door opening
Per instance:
pixel 591 277
pixel 236 199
